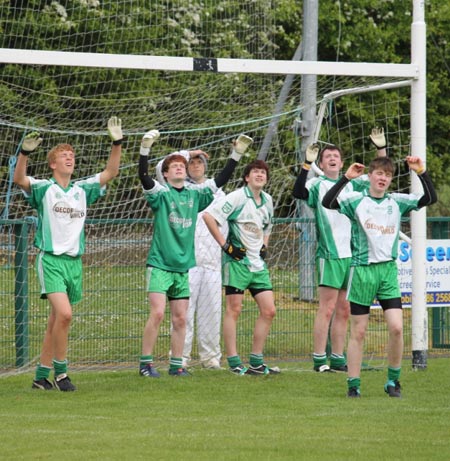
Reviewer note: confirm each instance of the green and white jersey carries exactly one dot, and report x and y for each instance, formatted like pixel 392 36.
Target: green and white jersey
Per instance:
pixel 248 223
pixel 333 229
pixel 375 224
pixel 175 217
pixel 62 213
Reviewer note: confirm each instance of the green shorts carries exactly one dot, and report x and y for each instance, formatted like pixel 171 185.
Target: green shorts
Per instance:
pixel 237 275
pixel 375 281
pixel 173 284
pixel 333 273
pixel 60 274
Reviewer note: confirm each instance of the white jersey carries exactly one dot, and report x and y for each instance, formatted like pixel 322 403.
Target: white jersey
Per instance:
pixel 207 251
pixel 62 213
pixel 248 223
pixel 375 224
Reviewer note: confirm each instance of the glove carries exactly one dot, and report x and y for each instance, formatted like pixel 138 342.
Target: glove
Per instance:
pixel 236 253
pixel 147 141
pixel 30 143
pixel 377 137
pixel 115 130
pixel 240 145
pixel 312 151
pixel 263 252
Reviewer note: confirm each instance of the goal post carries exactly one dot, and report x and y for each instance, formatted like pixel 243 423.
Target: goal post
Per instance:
pixel 224 97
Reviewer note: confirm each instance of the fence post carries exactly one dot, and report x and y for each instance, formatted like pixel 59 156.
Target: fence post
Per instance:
pixel 21 293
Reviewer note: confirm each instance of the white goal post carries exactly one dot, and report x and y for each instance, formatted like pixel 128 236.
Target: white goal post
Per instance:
pixel 415 73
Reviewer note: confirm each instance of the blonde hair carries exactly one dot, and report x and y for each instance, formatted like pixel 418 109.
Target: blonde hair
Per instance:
pixel 51 156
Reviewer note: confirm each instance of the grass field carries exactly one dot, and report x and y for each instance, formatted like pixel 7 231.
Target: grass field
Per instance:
pixel 214 415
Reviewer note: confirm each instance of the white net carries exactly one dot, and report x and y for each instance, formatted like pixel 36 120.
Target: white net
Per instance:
pixel 192 110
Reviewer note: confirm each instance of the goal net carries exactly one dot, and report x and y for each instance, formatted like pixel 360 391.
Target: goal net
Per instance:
pixel 192 110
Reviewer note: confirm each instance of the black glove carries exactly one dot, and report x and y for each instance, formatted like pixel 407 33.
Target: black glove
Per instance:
pixel 263 252
pixel 236 253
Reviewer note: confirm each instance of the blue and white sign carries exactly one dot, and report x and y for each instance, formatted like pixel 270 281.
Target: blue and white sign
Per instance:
pixel 437 272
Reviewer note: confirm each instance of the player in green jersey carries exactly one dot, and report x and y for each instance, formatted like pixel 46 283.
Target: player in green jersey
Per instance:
pixel 175 205
pixel 61 206
pixel 375 216
pixel 333 252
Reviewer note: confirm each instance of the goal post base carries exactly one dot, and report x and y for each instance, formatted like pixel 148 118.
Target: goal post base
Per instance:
pixel 419 360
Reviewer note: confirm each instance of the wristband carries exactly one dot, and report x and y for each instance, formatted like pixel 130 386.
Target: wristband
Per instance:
pixel 420 171
pixel 24 152
pixel 117 142
pixel 306 166
pixel 235 155
pixel 144 151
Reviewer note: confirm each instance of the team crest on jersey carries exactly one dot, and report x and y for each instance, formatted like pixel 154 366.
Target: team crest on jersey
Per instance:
pixel 227 207
pixel 389 209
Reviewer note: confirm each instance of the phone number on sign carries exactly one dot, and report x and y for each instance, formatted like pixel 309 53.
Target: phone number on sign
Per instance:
pixel 434 297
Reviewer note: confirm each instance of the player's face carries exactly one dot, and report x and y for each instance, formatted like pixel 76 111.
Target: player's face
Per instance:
pixel 380 180
pixel 331 162
pixel 196 169
pixel 176 172
pixel 64 163
pixel 257 178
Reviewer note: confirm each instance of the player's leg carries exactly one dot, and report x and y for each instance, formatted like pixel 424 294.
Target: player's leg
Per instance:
pixel 394 320
pixel 209 318
pixel 178 295
pixel 338 332
pixel 45 365
pixel 233 309
pixel 327 301
pixel 362 289
pixel 389 297
pixel 195 276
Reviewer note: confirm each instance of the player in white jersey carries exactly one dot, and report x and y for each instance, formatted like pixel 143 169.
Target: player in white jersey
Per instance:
pixel 333 252
pixel 61 207
pixel 205 281
pixel 249 212
pixel 375 216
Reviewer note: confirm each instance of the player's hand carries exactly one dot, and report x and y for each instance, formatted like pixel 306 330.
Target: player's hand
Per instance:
pixel 30 143
pixel 354 171
pixel 147 141
pixel 236 253
pixel 263 252
pixel 115 130
pixel 241 144
pixel 415 164
pixel 197 153
pixel 312 151
pixel 377 137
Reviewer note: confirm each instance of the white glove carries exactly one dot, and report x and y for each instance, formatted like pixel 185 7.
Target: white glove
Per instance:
pixel 240 145
pixel 312 151
pixel 377 137
pixel 115 130
pixel 30 143
pixel 147 141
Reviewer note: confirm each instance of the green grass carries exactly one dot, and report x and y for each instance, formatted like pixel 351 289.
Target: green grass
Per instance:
pixel 214 415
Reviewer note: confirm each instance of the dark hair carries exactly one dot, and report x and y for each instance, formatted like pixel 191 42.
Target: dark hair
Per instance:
pixel 255 165
pixel 173 158
pixel 382 163
pixel 330 147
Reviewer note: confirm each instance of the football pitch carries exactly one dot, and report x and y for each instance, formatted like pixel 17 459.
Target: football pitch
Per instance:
pixel 215 415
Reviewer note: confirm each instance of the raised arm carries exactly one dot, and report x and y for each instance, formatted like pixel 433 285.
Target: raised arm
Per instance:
pixel 429 193
pixel 240 145
pixel 112 167
pixel 147 141
pixel 300 191
pixel 29 145
pixel 330 199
